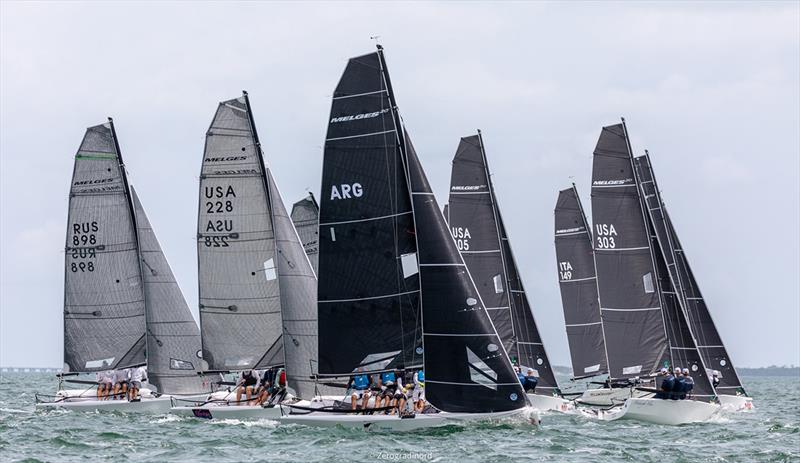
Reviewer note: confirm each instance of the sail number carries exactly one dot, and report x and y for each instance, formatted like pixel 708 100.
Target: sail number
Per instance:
pixel 462 236
pixel 565 270
pixel 220 200
pixel 605 234
pixel 83 234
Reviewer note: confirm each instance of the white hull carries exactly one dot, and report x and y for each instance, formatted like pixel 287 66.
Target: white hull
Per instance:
pixel 737 403
pixel 662 411
pixel 604 397
pixel 395 423
pixel 550 403
pixel 145 405
pixel 227 412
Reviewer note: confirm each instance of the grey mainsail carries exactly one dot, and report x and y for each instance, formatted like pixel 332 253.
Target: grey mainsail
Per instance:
pixel 686 291
pixel 578 284
pixel 305 216
pixel 477 228
pixel 173 339
pixel 627 283
pixel 104 305
pixel 240 300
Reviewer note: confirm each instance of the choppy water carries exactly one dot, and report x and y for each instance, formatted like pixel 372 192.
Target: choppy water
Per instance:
pixel 771 433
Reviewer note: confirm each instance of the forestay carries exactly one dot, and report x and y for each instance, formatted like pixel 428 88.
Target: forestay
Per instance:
pixel 237 270
pixel 476 225
pixel 173 339
pixel 578 284
pixel 630 305
pixel 305 216
pixel 368 289
pixel 104 307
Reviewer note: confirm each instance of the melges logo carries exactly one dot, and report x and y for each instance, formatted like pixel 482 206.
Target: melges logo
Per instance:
pixel 357 117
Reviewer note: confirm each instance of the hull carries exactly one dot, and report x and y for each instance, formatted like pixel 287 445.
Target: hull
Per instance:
pixel 550 403
pixel 395 423
pixel 737 403
pixel 660 411
pixel 227 412
pixel 605 397
pixel 146 405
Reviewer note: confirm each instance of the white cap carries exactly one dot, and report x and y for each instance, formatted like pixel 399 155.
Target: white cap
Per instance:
pixel 685 371
pixel 677 370
pixel 664 370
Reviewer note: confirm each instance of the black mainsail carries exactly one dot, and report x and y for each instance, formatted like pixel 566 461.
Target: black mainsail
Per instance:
pixel 305 216
pixel 240 300
pixel 627 283
pixel 387 260
pixel 478 230
pixel 173 339
pixel 578 284
pixel 104 304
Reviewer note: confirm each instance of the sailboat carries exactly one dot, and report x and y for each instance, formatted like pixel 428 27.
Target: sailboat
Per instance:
pixel 643 325
pixel 476 224
pixel 122 305
pixel 578 284
pixel 394 293
pixel 257 286
pixel 715 357
pixel 305 216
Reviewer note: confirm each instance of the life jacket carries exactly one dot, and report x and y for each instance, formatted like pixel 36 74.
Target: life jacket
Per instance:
pixel 388 377
pixel 668 385
pixel 282 378
pixel 361 382
pixel 421 378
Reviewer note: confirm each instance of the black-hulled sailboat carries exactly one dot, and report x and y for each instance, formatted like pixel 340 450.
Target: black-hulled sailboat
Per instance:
pixel 393 290
pixel 476 224
pixel 687 294
pixel 122 305
pixel 305 216
pixel 257 287
pixel 644 328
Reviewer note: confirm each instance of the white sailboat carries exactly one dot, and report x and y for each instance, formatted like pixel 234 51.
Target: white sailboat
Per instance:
pixel 117 280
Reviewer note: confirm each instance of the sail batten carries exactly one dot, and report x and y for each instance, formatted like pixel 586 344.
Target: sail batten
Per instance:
pixel 578 284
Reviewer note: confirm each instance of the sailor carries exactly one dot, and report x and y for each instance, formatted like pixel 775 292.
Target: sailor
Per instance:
pixel 688 382
pixel 530 381
pixel 388 389
pixel 105 383
pixel 520 376
pixel 715 378
pixel 275 390
pixel 679 389
pixel 360 385
pixel 121 378
pixel 248 383
pixel 667 384
pixel 137 375
pixel 419 391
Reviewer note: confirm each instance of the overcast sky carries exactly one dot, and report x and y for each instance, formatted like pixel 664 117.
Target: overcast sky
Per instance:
pixel 712 90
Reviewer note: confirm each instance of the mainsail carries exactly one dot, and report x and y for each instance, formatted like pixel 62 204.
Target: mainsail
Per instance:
pixel 578 284
pixel 478 230
pixel 104 305
pixel 386 253
pixel 631 312
pixel 240 300
pixel 305 216
pixel 684 287
pixel 173 339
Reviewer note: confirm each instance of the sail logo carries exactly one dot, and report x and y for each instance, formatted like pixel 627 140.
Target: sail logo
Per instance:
pixel 93 182
pixel 467 187
pixel 226 159
pixel 605 235
pixel 461 235
pixel 347 191
pixel 357 117
pixel 568 230
pixel 480 372
pixel 612 182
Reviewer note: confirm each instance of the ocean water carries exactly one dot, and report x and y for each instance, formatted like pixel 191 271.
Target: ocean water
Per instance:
pixel 770 433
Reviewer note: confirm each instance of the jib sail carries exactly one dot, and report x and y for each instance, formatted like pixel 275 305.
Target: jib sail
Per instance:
pixel 173 339
pixel 104 306
pixel 578 284
pixel 477 227
pixel 627 284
